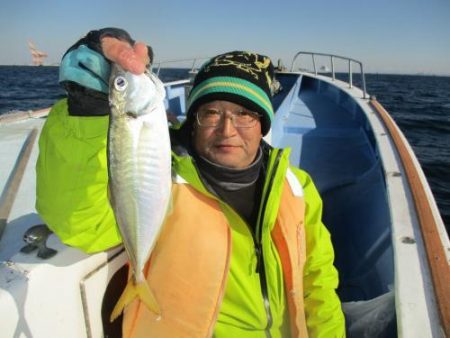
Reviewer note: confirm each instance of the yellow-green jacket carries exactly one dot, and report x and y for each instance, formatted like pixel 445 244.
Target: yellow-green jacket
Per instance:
pixel 72 199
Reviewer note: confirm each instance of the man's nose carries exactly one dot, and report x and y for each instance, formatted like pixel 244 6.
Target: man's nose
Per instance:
pixel 227 126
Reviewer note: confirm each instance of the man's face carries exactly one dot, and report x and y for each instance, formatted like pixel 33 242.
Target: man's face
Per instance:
pixel 225 144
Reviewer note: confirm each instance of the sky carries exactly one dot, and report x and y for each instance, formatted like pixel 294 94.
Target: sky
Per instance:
pixel 388 36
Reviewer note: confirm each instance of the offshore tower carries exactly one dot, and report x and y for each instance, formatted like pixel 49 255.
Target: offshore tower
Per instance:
pixel 37 56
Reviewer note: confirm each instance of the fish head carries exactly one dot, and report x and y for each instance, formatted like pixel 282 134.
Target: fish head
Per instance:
pixel 132 94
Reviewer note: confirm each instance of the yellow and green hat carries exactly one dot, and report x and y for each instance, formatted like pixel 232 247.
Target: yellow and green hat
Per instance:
pixel 240 77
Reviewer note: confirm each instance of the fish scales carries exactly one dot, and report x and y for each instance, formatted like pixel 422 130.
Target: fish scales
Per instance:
pixel 139 166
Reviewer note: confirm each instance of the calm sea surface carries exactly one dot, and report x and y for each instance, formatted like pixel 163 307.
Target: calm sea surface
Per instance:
pixel 419 104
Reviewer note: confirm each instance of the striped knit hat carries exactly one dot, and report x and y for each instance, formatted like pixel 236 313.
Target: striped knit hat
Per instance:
pixel 240 77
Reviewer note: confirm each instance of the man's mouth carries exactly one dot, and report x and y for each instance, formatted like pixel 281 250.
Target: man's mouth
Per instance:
pixel 225 146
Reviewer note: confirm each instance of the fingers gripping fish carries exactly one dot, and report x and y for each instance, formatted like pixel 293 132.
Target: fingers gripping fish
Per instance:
pixel 139 168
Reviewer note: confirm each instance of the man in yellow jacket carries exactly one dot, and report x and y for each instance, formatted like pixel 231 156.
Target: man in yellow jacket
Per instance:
pixel 244 252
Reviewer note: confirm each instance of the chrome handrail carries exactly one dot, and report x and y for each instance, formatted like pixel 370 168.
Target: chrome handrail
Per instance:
pixel 333 74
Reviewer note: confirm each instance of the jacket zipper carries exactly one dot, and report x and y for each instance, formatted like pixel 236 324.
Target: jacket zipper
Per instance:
pixel 260 268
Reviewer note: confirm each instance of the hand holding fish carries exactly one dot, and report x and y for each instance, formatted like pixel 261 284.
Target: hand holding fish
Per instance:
pixel 131 58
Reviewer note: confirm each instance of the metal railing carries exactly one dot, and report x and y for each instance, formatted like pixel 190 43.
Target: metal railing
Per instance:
pixel 333 72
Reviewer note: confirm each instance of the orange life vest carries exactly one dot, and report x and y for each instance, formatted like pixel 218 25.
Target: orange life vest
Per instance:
pixel 188 269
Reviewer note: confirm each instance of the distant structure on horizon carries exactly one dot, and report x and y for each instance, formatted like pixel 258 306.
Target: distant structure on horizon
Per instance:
pixel 36 55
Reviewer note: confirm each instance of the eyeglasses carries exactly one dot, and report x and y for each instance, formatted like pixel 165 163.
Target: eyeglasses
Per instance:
pixel 213 118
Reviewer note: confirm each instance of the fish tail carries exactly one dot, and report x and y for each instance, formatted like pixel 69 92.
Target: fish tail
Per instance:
pixel 132 290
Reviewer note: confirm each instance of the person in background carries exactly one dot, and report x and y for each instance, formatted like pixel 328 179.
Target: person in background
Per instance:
pixel 244 252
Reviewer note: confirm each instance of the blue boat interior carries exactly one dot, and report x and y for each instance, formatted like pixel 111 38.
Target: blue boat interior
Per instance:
pixel 331 139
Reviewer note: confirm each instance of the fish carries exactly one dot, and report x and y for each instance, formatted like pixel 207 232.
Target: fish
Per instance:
pixel 139 173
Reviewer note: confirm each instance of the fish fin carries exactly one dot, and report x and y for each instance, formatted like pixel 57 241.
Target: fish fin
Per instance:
pixel 132 290
pixel 148 298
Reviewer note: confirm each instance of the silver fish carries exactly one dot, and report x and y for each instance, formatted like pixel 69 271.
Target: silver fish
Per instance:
pixel 139 167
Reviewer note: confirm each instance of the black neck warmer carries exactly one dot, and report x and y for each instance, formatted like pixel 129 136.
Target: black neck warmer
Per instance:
pixel 239 188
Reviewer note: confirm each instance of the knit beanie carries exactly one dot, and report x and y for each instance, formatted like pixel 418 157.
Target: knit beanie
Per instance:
pixel 240 77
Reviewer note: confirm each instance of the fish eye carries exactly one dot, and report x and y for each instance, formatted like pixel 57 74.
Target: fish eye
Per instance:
pixel 120 83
